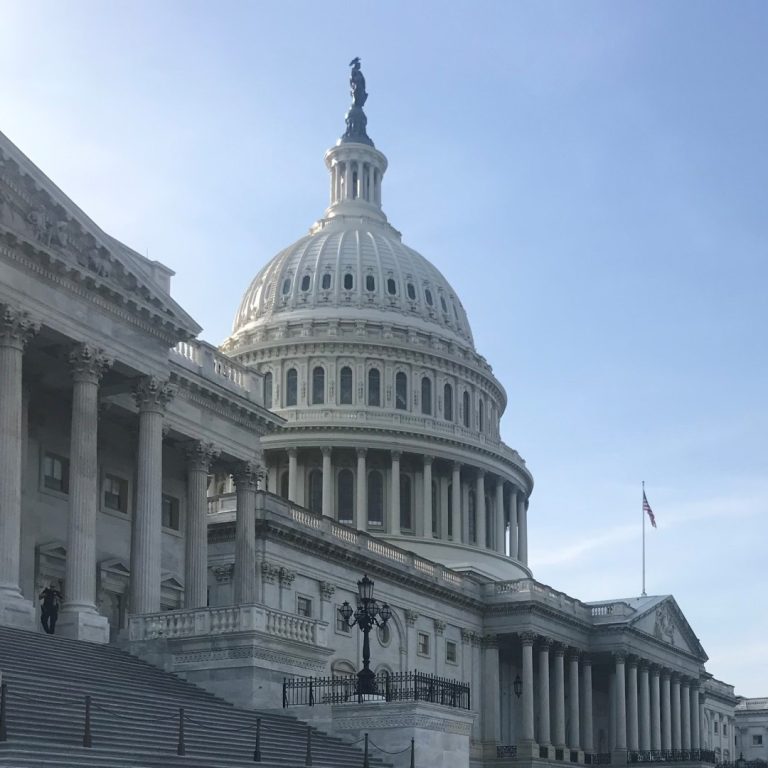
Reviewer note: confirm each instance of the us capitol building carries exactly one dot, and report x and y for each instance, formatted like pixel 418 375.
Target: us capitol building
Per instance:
pixel 211 508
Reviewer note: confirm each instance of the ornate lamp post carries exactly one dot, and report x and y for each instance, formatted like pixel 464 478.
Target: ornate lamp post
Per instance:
pixel 369 614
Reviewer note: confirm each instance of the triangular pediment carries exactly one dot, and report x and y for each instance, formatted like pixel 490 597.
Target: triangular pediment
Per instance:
pixel 172 581
pixel 115 566
pixel 55 549
pixel 664 620
pixel 37 215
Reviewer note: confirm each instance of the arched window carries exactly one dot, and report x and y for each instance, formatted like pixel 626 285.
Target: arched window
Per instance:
pixel 305 283
pixel 426 395
pixel 472 517
pixel 435 500
pixel 370 283
pixel 284 485
pixel 428 297
pixel 268 389
pixel 465 403
pixel 345 496
pixel 286 286
pixel 411 290
pixel 481 415
pixel 391 286
pixel 349 281
pixel 375 499
pixel 291 387
pixel 443 304
pixel 374 387
pixel 450 511
pixel 448 402
pixel 345 386
pixel 318 385
pixel 401 391
pixel 406 504
pixel 315 490
pixel 326 281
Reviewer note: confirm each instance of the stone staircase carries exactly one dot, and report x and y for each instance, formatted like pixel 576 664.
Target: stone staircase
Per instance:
pixel 135 715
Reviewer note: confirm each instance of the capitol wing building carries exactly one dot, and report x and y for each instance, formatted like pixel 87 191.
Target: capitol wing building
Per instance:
pixel 212 509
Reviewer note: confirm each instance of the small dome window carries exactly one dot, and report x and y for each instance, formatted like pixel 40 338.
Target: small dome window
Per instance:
pixel 286 286
pixel 391 287
pixel 411 292
pixel 349 281
pixel 370 283
pixel 326 282
pixel 443 304
pixel 428 297
pixel 305 281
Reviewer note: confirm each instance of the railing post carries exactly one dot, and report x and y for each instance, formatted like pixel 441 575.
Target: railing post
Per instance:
pixel 181 748
pixel 413 753
pixel 285 693
pixel 311 694
pixel 308 758
pixel 257 748
pixel 3 726
pixel 87 726
pixel 365 753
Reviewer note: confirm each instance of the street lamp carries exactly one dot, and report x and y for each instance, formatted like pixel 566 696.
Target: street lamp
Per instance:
pixel 369 614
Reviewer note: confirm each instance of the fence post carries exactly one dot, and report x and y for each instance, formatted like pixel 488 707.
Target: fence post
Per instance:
pixel 365 753
pixel 308 758
pixel 285 693
pixel 413 753
pixel 87 726
pixel 3 727
pixel 257 748
pixel 181 749
pixel 311 694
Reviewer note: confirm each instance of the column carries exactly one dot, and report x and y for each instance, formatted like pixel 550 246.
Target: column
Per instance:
pixel 16 329
pixel 522 533
pixel 655 710
pixel 394 496
pixel 327 494
pixel 527 639
pixel 456 502
pixel 348 180
pixel 152 395
pixel 558 734
pixel 246 476
pixel 574 741
pixel 465 508
pixel 491 720
pixel 361 508
pixel 480 529
pixel 645 709
pixel 685 715
pixel 79 618
pixel 675 712
pixel 500 537
pixel 587 737
pixel 544 734
pixel 293 471
pixel 632 740
pixel 513 522
pixel 666 713
pixel 424 526
pixel 695 717
pixel 621 703
pixel 444 511
pixel 199 458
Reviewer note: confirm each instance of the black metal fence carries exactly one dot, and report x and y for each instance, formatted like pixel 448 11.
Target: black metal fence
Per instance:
pixel 672 756
pixel 406 686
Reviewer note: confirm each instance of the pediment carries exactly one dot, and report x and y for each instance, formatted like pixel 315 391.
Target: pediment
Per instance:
pixel 666 622
pixel 54 549
pixel 172 581
pixel 39 217
pixel 115 566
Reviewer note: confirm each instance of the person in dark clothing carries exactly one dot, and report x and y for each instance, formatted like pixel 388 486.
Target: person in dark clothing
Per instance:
pixel 49 610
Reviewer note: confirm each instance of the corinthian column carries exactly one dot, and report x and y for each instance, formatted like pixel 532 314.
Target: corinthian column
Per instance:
pixel 559 695
pixel 424 520
pixel 513 522
pixel 152 396
pixel 480 516
pixel 16 329
pixel 621 703
pixel 676 743
pixel 361 510
pixel 527 663
pixel 327 495
pixel 522 534
pixel 246 477
pixel 645 709
pixel 632 740
pixel 655 709
pixel 666 713
pixel 685 715
pixel 587 739
pixel 394 495
pixel 500 543
pixel 573 699
pixel 199 458
pixel 695 717
pixel 456 503
pixel 544 732
pixel 79 618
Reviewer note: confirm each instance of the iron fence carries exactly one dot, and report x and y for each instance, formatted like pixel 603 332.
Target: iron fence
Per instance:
pixel 671 756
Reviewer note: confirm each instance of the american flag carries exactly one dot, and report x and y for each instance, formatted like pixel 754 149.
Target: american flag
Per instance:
pixel 647 508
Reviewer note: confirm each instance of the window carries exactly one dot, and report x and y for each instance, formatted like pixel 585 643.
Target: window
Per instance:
pixel 267 390
pixel 406 507
pixel 115 494
pixel 374 387
pixel 284 485
pixel 349 281
pixel 448 402
pixel 291 387
pixel 304 606
pixel 375 499
pixel 451 652
pixel 434 508
pixel 56 473
pixel 370 283
pixel 725 729
pixel 481 415
pixel 341 625
pixel 465 403
pixel 401 391
pixel 428 297
pixel 757 739
pixel 391 287
pixel 305 282
pixel 346 495
pixel 316 491
pixel 345 386
pixel 422 644
pixel 170 513
pixel 426 396
pixel 286 286
pixel 326 281
pixel 472 517
pixel 411 290
pixel 318 385
pixel 443 304
pixel 715 726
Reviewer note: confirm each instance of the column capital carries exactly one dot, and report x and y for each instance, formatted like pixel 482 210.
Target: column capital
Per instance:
pixel 396 455
pixel 558 649
pixel 200 455
pixel 619 657
pixel 428 459
pixel 675 676
pixel 490 641
pixel 17 327
pixel 586 659
pixel 410 617
pixel 361 453
pixel 89 363
pixel 544 643
pixel 500 481
pixel 457 465
pixel 326 450
pixel 479 474
pixel 574 654
pixel 439 627
pixel 292 452
pixel 527 638
pixel 632 661
pixel 152 394
pixel 246 475
pixel 665 673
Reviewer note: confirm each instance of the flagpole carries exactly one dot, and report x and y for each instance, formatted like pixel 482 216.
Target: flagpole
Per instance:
pixel 642 512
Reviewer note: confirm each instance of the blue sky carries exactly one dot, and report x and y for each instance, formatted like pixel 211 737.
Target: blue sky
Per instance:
pixel 590 177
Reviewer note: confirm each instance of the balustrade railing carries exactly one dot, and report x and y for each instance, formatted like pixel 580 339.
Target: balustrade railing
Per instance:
pixel 506 750
pixel 671 756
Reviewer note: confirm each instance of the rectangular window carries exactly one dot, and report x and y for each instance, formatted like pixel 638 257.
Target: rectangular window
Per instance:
pixel 715 726
pixel 422 646
pixel 171 515
pixel 451 655
pixel 757 740
pixel 341 625
pixel 304 606
pixel 114 494
pixel 725 729
pixel 56 473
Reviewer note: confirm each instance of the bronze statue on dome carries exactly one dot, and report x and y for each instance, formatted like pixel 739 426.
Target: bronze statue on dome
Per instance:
pixel 357 83
pixel 355 117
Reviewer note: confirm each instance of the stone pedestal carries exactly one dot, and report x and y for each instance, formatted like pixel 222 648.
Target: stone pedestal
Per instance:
pixel 15 611
pixel 619 757
pixel 83 625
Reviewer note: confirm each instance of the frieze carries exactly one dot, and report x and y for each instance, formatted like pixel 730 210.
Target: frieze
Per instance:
pixel 226 408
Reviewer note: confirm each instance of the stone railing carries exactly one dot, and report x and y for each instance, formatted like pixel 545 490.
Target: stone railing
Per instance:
pixel 225 620
pixel 612 610
pixel 752 704
pixel 530 589
pixel 206 360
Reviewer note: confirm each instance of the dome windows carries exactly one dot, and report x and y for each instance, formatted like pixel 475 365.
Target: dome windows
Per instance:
pixel 481 416
pixel 291 387
pixel 318 385
pixel 306 281
pixel 426 396
pixel 286 286
pixel 374 387
pixel 345 386
pixel 443 304
pixel 345 495
pixel 325 282
pixel 406 503
pixel 375 499
pixel 268 389
pixel 391 287
pixel 411 291
pixel 349 281
pixel 466 408
pixel 401 391
pixel 370 283
pixel 428 297
pixel 315 491
pixel 448 402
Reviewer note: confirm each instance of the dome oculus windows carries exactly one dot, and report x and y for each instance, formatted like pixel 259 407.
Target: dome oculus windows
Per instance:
pixel 370 283
pixel 286 286
pixel 465 408
pixel 401 391
pixel 345 386
pixel 349 281
pixel 391 287
pixel 291 387
pixel 428 297
pixel 305 283
pixel 411 291
pixel 318 385
pixel 426 396
pixel 448 402
pixel 325 283
pixel 374 387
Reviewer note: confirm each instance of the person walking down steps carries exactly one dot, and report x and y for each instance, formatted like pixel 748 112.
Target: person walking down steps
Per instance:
pixel 49 610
